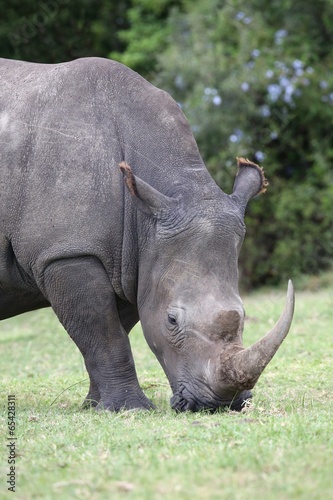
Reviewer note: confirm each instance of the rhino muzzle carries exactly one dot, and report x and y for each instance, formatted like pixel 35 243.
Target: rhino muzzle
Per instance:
pixel 183 401
pixel 237 370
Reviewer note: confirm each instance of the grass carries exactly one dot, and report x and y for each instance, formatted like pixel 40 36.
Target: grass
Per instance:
pixel 280 447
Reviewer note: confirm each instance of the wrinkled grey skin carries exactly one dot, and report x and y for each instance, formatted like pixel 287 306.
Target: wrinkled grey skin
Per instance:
pixel 163 249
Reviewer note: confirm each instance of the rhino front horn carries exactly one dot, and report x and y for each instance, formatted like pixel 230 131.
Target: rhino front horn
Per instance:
pixel 248 364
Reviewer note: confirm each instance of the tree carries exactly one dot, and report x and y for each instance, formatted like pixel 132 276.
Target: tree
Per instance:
pixel 147 34
pixel 52 31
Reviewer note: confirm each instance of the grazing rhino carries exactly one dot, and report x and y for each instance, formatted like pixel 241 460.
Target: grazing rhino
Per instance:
pixel 161 247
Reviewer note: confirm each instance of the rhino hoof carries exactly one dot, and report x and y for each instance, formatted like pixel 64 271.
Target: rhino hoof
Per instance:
pixel 129 405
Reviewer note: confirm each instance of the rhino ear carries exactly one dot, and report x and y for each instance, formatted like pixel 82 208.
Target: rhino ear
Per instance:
pixel 146 198
pixel 249 182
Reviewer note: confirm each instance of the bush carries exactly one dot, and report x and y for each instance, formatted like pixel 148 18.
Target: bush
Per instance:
pixel 256 79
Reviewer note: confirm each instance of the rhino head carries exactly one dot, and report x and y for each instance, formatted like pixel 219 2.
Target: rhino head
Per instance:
pixel 189 305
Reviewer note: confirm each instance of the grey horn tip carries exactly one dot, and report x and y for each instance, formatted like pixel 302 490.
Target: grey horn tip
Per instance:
pixel 291 292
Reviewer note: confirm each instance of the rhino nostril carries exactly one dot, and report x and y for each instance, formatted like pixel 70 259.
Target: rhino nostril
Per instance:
pixel 178 403
pixel 191 405
pixel 174 400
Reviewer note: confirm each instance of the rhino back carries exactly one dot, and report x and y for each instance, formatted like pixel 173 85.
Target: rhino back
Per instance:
pixel 54 156
pixel 64 128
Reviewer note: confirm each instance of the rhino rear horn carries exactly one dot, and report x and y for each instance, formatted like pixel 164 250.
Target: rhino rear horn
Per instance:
pixel 146 198
pixel 250 181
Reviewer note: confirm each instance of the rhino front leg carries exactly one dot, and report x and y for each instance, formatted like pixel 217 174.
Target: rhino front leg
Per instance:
pixel 81 295
pixel 128 316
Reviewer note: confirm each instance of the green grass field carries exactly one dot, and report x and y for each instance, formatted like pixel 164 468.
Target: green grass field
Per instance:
pixel 280 447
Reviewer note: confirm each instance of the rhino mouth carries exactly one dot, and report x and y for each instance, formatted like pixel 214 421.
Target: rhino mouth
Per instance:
pixel 184 400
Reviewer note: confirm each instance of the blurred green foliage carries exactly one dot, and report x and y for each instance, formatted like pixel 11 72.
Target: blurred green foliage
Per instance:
pixel 52 31
pixel 149 32
pixel 254 78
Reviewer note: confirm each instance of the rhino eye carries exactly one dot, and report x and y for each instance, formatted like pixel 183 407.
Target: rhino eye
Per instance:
pixel 172 320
